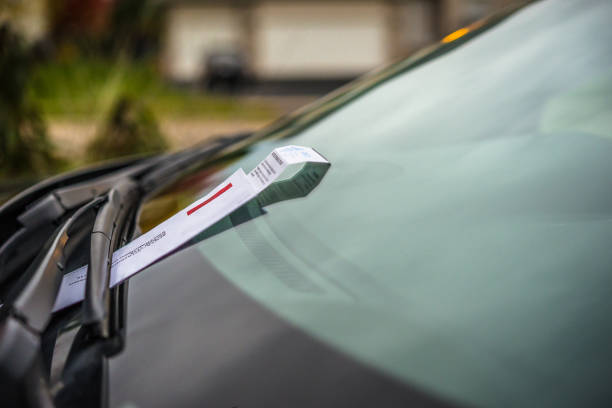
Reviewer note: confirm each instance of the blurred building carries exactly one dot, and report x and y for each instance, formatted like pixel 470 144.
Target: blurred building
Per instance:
pixel 305 39
pixel 28 17
pixel 36 20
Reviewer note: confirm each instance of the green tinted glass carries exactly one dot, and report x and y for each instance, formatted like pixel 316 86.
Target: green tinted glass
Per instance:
pixel 461 240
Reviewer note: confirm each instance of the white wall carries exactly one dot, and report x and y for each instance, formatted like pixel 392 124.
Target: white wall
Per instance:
pixel 415 30
pixel 192 32
pixel 29 18
pixel 306 39
pixel 318 39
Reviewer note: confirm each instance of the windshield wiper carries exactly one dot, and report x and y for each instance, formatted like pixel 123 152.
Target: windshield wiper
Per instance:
pixel 40 218
pixel 27 223
pixel 10 210
pixel 171 170
pixel 105 238
pixel 34 301
pixel 27 312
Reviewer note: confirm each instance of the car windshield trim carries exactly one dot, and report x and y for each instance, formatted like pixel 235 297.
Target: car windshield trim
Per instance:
pixel 307 116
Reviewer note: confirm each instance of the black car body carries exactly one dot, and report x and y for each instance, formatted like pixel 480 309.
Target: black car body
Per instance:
pixel 456 253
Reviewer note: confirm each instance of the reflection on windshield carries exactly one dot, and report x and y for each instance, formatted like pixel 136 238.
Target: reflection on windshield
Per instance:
pixel 461 240
pixel 159 208
pixel 180 195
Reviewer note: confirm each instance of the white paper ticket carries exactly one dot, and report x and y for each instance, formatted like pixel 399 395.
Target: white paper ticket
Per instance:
pixel 231 194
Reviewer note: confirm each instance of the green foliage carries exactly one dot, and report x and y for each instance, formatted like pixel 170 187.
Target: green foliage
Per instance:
pixel 24 146
pixel 82 88
pixel 130 129
pixel 135 27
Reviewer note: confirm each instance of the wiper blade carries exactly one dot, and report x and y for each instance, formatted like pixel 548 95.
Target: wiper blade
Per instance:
pixel 10 210
pixel 110 221
pixel 33 301
pixel 29 228
pixel 33 216
pixel 39 219
pixel 172 168
pixel 26 314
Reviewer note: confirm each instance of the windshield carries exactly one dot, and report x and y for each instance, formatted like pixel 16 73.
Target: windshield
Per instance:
pixel 461 239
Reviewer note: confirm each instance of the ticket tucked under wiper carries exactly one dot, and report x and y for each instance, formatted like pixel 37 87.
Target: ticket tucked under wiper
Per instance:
pixel 238 189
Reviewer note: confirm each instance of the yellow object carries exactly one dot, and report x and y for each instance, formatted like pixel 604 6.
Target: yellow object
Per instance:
pixel 456 34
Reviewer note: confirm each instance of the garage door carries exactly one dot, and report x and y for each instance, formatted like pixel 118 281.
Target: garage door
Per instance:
pixel 318 40
pixel 193 33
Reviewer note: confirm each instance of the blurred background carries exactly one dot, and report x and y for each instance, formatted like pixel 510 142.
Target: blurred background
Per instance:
pixel 88 80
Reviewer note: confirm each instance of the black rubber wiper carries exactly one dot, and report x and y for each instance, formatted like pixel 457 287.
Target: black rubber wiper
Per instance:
pixel 10 210
pixel 111 219
pixel 170 170
pixel 39 219
pixel 26 313
pixel 33 301
pixel 28 306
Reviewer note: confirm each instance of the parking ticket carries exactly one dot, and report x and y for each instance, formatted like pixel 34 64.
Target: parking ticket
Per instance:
pixel 238 189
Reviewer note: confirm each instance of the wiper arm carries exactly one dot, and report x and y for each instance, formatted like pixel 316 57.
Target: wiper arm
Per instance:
pixel 39 219
pixel 10 210
pixel 110 221
pixel 112 217
pixel 26 314
pixel 173 167
pixel 34 301
pixel 28 307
